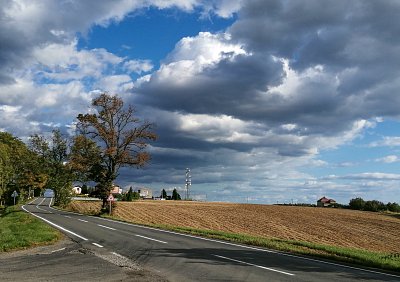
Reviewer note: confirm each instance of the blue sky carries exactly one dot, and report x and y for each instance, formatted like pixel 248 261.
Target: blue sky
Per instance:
pixel 266 101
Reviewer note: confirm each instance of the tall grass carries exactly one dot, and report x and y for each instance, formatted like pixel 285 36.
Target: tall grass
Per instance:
pixel 19 230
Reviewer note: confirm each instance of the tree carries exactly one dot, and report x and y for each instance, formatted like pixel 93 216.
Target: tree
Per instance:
pixel 374 206
pixel 53 155
pixel 163 194
pixel 357 204
pixel 120 135
pixel 85 159
pixel 175 195
pixel 393 207
pixel 85 189
pixel 6 170
pixel 129 195
pixel 15 161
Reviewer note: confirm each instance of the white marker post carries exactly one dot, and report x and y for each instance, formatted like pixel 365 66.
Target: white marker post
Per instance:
pixel 110 199
pixel 14 195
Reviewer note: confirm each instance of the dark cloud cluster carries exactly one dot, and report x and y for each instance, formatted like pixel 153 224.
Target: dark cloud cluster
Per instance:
pixel 342 63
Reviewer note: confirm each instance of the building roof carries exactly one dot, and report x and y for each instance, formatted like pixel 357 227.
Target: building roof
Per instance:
pixel 326 200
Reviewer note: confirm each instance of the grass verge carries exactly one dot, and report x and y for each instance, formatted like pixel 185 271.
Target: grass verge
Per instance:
pixel 19 230
pixel 387 261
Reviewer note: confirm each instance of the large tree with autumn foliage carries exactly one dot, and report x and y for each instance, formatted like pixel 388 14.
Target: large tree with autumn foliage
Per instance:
pixel 121 139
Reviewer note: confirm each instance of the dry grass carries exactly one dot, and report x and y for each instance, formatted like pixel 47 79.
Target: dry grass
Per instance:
pixel 335 227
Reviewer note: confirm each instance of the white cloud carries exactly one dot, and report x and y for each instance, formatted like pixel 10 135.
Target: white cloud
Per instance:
pixel 114 83
pixel 368 176
pixel 64 62
pixel 388 159
pixel 204 49
pixel 138 66
pixel 217 128
pixel 388 141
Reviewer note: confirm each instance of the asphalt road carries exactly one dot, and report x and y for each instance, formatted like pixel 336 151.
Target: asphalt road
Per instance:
pixel 179 257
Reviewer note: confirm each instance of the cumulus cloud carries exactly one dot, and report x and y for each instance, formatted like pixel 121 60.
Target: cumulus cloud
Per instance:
pixel 305 78
pixel 287 80
pixel 138 66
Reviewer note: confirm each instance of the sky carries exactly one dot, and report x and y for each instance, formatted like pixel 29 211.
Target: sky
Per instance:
pixel 266 101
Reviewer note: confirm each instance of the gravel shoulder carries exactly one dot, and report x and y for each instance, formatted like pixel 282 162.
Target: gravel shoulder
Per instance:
pixel 67 260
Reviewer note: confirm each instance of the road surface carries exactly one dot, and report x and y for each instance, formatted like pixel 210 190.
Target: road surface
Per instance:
pixel 180 257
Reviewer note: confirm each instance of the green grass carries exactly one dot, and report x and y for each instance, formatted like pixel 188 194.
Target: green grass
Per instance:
pixel 19 230
pixel 387 261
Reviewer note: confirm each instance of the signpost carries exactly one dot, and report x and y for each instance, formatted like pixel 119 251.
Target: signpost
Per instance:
pixel 14 195
pixel 110 199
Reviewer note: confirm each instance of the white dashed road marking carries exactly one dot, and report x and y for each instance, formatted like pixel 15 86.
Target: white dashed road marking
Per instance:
pixel 151 239
pixel 97 245
pixel 106 227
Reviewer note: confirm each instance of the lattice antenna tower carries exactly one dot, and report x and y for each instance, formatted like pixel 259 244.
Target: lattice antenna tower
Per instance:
pixel 188 182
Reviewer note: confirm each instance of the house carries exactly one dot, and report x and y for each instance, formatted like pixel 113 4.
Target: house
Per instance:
pixel 325 202
pixel 145 193
pixel 76 190
pixel 116 190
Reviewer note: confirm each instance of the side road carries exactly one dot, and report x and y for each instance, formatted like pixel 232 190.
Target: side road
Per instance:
pixel 70 261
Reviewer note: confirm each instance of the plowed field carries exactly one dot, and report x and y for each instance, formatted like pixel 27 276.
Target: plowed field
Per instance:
pixel 346 228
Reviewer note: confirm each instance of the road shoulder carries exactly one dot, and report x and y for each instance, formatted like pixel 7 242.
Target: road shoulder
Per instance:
pixel 67 260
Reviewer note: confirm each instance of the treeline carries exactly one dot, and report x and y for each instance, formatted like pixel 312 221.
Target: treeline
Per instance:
pixel 29 169
pixel 106 139
pixel 175 195
pixel 374 205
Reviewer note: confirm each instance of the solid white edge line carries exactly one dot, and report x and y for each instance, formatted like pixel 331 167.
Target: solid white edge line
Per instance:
pixel 55 225
pixel 252 248
pixel 151 239
pixel 242 246
pixel 97 245
pixel 58 250
pixel 106 227
pixel 255 265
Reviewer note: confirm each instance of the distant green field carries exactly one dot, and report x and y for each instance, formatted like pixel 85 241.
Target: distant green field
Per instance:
pixel 19 230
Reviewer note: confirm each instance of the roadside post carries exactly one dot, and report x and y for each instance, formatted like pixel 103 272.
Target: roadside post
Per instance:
pixel 14 195
pixel 110 199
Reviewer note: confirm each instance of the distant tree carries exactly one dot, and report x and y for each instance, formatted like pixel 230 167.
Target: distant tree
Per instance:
pixel 374 206
pixel 135 195
pixel 85 189
pixel 129 195
pixel 163 194
pixel 393 207
pixel 53 155
pixel 120 135
pixel 357 204
pixel 175 195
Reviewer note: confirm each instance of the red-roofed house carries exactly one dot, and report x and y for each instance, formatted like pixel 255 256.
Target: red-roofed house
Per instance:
pixel 325 202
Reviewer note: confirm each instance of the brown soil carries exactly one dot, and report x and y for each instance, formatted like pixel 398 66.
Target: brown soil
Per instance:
pixel 338 227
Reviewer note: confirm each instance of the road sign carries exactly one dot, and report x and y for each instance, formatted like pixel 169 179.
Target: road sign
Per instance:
pixel 110 199
pixel 14 195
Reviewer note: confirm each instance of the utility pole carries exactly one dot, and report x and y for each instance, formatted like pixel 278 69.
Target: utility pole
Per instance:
pixel 188 182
